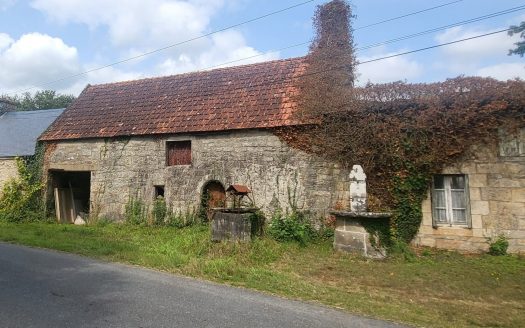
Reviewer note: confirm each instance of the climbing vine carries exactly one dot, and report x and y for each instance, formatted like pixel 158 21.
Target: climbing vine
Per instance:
pixel 22 197
pixel 400 133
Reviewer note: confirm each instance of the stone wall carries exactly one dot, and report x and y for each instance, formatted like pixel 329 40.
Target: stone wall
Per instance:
pixel 496 180
pixel 277 174
pixel 8 170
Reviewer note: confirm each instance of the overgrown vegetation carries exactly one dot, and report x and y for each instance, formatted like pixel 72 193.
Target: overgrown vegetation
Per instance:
pixel 137 212
pixel 291 227
pixel 499 246
pixel 21 199
pixel 430 289
pixel 400 133
pixel 295 226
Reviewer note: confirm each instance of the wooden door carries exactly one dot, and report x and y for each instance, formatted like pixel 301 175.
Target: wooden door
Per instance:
pixel 216 197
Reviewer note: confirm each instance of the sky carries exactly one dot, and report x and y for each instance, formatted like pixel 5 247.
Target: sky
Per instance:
pixel 49 44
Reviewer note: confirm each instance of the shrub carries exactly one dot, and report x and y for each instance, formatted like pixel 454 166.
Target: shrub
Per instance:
pixel 291 227
pixel 183 219
pixel 159 211
pixel 21 198
pixel 136 212
pixel 499 246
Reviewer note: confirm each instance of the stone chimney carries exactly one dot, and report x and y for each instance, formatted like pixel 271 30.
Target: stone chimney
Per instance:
pixel 332 22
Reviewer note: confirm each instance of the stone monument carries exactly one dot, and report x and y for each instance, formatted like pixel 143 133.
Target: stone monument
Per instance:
pixel 350 234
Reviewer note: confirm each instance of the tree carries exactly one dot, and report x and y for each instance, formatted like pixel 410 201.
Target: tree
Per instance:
pixel 520 45
pixel 46 99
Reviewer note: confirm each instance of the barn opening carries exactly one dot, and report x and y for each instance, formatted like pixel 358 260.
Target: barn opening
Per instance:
pixel 71 192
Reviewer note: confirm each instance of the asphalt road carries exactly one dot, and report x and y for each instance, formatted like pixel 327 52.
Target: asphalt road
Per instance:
pixel 40 288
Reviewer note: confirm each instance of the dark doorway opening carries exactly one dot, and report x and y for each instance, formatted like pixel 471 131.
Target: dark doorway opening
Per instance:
pixel 213 196
pixel 71 192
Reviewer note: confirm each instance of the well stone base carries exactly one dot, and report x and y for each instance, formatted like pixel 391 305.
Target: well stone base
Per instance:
pixel 234 225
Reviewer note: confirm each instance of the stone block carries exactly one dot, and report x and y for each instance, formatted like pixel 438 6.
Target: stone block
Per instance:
pixel 503 181
pixel 518 195
pixel 428 242
pixel 490 167
pixel 474 193
pixel 515 168
pixel 451 232
pixel 477 223
pixel 501 194
pixel 426 206
pixel 479 207
pixel 481 233
pixel 427 219
pixel 477 180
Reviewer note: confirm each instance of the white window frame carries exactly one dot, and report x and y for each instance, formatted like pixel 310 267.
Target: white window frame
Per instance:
pixel 447 178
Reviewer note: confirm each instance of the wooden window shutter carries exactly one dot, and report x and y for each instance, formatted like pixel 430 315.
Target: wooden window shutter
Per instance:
pixel 178 153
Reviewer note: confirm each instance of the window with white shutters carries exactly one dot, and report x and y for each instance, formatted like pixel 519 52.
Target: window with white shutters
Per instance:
pixel 450 202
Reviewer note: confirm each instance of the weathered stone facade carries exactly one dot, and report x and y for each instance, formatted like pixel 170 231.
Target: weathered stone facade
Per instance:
pixel 278 175
pixel 8 170
pixel 496 185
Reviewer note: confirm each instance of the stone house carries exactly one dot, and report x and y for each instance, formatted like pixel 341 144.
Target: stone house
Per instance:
pixel 187 138
pixel 19 132
pixel 478 199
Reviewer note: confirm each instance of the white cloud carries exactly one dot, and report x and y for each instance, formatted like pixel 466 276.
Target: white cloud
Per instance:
pixel 5 41
pixel 388 70
pixel 225 47
pixel 136 23
pixel 476 49
pixel 5 4
pixel 35 59
pixel 504 71
pixel 106 75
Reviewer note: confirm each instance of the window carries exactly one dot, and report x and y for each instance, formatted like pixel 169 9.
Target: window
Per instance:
pixel 450 200
pixel 159 191
pixel 178 153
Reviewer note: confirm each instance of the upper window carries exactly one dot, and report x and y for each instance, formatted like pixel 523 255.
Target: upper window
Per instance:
pixel 178 153
pixel 450 200
pixel 512 145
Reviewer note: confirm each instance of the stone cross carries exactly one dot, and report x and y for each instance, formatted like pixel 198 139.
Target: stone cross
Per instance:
pixel 357 189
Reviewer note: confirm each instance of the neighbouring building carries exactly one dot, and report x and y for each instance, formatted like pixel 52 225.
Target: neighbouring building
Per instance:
pixel 19 132
pixel 187 138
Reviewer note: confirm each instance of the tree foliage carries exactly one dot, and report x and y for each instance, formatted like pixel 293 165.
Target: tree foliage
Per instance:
pixel 46 99
pixel 520 45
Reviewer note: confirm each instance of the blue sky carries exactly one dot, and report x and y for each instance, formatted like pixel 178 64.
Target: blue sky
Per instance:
pixel 45 40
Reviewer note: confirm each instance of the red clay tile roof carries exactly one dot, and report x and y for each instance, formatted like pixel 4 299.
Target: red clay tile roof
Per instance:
pixel 242 97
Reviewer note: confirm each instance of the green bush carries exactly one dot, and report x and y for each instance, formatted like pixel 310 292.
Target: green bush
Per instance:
pixel 159 211
pixel 292 227
pixel 183 219
pixel 136 212
pixel 499 246
pixel 21 199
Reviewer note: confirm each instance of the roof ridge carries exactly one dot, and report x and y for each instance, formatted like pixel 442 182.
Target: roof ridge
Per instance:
pixel 202 71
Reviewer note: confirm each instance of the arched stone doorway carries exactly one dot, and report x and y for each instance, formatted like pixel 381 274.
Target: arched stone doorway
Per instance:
pixel 213 195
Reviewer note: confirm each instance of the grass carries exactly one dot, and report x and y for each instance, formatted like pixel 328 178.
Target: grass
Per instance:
pixel 437 289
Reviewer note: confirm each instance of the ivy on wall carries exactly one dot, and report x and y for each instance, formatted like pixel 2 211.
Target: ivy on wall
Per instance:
pixel 400 133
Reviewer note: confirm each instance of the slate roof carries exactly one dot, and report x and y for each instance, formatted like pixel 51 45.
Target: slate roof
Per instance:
pixel 20 130
pixel 242 97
